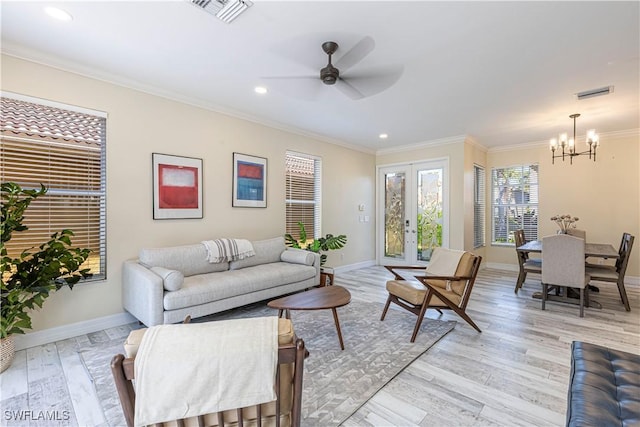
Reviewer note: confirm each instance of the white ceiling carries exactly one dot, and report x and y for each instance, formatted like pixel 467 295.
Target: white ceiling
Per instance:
pixel 502 73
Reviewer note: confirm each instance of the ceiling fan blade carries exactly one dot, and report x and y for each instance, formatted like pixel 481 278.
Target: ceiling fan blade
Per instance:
pixel 346 88
pixel 356 54
pixel 302 87
pixel 374 81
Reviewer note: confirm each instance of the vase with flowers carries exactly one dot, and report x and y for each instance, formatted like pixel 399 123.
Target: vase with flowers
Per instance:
pixel 565 222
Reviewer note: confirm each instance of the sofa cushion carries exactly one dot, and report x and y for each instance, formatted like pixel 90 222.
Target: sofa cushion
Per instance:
pixel 172 279
pixel 187 259
pixel 266 251
pixel 297 256
pixel 204 288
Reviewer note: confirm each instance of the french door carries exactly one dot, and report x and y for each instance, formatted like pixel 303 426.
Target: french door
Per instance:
pixel 412 211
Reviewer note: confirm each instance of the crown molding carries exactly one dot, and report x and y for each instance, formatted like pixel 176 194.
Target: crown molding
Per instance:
pixel 472 141
pixel 427 144
pixel 93 73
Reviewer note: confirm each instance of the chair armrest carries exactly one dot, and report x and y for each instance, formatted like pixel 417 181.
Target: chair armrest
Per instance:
pixel 423 279
pixel 402 267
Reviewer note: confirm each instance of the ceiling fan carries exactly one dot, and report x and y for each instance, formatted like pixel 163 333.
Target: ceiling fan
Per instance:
pixel 355 85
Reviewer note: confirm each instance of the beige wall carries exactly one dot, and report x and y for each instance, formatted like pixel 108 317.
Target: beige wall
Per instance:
pixel 139 124
pixel 605 194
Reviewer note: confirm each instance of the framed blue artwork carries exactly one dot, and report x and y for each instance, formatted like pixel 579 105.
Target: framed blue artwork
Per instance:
pixel 249 181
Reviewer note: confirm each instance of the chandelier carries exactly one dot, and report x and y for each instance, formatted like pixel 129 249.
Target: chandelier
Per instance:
pixel 568 146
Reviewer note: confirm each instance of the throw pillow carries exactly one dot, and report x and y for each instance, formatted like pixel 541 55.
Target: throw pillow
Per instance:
pixel 297 256
pixel 172 279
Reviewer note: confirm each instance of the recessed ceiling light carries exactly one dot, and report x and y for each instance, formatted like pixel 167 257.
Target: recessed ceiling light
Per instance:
pixel 59 14
pixel 383 136
pixel 260 89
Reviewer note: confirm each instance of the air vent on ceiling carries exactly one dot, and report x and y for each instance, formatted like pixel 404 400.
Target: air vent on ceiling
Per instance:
pixel 225 10
pixel 595 92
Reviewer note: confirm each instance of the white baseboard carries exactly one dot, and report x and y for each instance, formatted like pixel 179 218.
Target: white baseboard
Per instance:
pixel 58 333
pixel 501 266
pixel 363 264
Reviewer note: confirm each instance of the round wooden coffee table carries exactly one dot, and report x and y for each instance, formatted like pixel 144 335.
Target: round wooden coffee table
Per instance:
pixel 315 299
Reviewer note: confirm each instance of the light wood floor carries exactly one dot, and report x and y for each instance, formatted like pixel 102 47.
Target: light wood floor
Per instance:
pixel 513 373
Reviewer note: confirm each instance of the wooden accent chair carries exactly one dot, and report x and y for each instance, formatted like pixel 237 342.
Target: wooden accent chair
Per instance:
pixel 564 267
pixel 615 273
pixel 285 411
pixel 439 292
pixel 525 264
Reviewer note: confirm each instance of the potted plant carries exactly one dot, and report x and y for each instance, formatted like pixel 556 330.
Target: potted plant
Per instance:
pixel 29 278
pixel 323 244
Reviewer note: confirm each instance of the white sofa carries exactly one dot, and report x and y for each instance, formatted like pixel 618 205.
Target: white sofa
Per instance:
pixel 166 284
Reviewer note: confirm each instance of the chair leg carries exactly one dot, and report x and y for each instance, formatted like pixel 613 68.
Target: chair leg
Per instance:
pixel 623 294
pixel 386 307
pixel 423 310
pixel 522 276
pixel 581 302
pixel 466 317
pixel 545 289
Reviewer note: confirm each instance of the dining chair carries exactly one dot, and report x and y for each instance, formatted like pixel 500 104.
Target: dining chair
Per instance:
pixel 564 267
pixel 525 263
pixel 441 292
pixel 285 411
pixel 615 273
pixel 576 232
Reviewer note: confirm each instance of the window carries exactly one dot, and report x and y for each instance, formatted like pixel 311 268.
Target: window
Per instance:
pixel 63 148
pixel 303 194
pixel 514 192
pixel 478 206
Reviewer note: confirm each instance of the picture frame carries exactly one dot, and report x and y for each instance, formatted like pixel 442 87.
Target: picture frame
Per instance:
pixel 249 181
pixel 177 187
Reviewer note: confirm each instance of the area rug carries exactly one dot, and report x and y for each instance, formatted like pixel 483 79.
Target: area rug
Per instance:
pixel 336 382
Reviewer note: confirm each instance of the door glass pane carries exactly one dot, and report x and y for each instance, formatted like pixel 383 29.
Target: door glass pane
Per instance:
pixel 394 214
pixel 429 213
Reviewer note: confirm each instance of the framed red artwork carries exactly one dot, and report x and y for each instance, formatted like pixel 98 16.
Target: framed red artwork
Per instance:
pixel 177 187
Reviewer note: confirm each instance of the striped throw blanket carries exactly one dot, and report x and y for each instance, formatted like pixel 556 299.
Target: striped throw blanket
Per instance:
pixel 224 250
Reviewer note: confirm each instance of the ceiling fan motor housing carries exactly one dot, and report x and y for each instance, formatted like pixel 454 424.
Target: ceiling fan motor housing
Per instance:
pixel 329 75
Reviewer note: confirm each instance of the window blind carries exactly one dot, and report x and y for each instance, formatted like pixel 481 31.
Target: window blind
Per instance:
pixel 63 148
pixel 479 207
pixel 514 194
pixel 303 178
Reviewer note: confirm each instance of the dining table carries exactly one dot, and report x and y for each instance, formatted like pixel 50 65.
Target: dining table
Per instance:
pixel 595 250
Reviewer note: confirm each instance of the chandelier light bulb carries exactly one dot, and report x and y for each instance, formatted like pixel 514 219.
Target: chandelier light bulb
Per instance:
pixel 553 144
pixel 563 139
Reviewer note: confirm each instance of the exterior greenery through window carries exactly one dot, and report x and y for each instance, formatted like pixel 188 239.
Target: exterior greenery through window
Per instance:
pixel 303 178
pixel 514 193
pixel 479 207
pixel 63 148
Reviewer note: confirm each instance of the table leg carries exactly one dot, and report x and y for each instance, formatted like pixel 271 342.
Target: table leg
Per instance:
pixel 287 314
pixel 335 319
